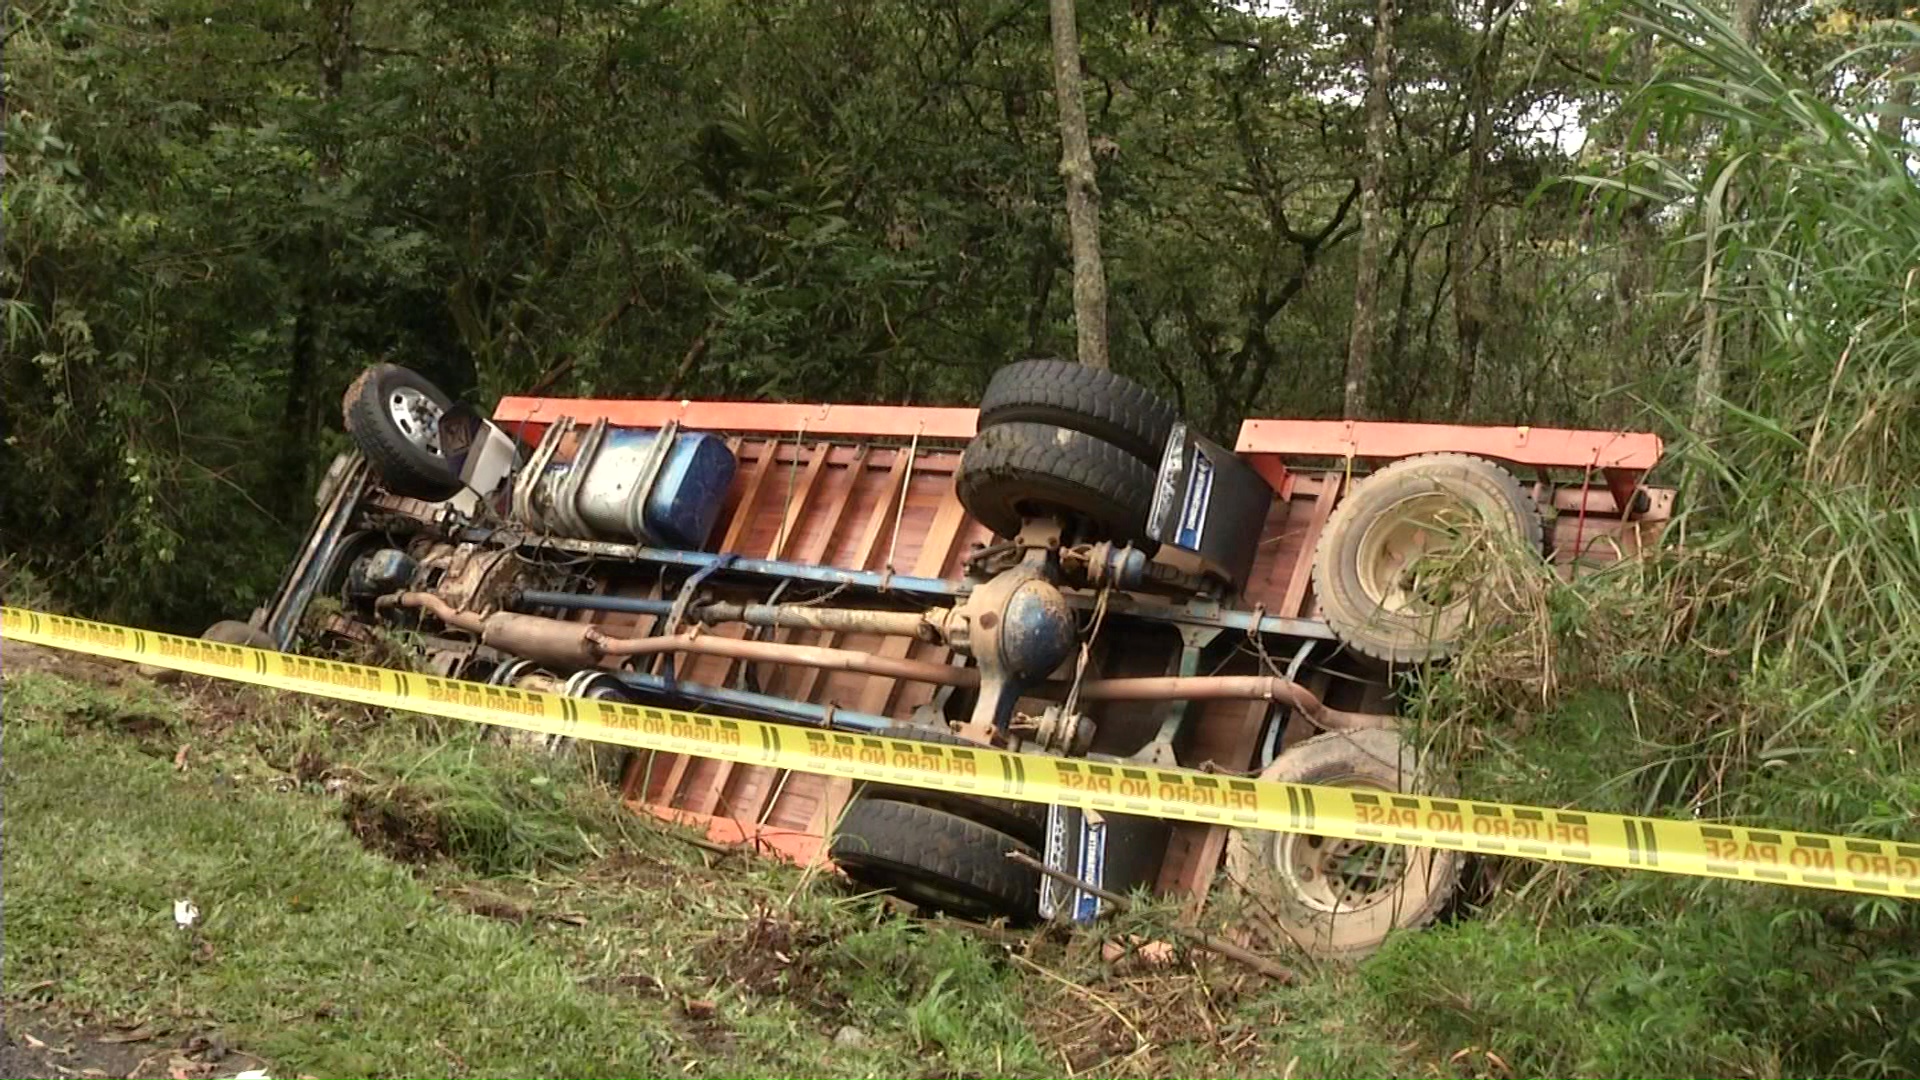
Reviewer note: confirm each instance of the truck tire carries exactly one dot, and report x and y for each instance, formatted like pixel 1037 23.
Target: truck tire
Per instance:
pixel 1109 407
pixel 1367 566
pixel 1013 471
pixel 236 632
pixel 1340 899
pixel 393 414
pixel 1025 821
pixel 937 860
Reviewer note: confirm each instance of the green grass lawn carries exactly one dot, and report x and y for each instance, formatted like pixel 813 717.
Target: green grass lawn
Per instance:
pixel 387 894
pixel 542 931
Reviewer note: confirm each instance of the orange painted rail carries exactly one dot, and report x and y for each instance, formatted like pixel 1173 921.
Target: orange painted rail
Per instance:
pixel 751 417
pixel 1522 445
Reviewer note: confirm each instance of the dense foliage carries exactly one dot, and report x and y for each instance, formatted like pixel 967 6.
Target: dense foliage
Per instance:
pixel 216 214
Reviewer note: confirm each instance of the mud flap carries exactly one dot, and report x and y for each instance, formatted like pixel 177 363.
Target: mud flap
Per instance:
pixel 1117 852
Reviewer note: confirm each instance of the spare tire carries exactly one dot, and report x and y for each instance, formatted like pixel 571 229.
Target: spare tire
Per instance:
pixel 393 414
pixel 1340 899
pixel 1402 560
pixel 1109 407
pixel 1013 471
pixel 937 860
pixel 1022 820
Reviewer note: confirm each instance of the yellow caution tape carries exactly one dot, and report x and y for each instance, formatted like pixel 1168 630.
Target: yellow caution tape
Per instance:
pixel 1849 864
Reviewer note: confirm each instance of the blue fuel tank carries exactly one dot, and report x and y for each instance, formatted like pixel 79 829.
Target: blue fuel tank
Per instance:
pixel 616 498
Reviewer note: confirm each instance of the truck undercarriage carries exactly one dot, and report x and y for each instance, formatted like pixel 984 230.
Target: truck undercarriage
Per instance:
pixel 1067 570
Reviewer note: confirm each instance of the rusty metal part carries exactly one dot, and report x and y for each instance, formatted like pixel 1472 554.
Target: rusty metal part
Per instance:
pixel 1057 730
pixel 925 626
pixel 550 641
pixel 802 655
pixel 473 577
pixel 438 608
pixel 583 645
pixel 1242 687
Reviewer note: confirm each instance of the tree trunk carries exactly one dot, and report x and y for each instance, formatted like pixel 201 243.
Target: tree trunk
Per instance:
pixel 1083 191
pixel 300 416
pixel 1366 284
pixel 1470 307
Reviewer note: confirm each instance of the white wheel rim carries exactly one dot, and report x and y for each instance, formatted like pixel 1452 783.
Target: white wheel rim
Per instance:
pixel 1334 875
pixel 1410 544
pixel 418 418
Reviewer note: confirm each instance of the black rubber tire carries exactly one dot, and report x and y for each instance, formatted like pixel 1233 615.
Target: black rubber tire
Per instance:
pixel 402 467
pixel 1011 471
pixel 235 632
pixel 226 632
pixel 1109 407
pixel 937 860
pixel 1025 821
pixel 1410 637
pixel 1280 914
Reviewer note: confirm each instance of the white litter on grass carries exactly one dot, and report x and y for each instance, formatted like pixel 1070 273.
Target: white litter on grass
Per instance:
pixel 252 1074
pixel 185 914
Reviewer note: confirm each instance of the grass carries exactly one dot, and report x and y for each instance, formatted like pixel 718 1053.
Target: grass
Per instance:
pixel 496 916
pixel 393 895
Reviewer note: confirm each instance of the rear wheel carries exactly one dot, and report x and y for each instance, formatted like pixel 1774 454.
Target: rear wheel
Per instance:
pixel 1109 407
pixel 393 414
pixel 1025 821
pixel 937 860
pixel 1011 472
pixel 1403 560
pixel 1340 899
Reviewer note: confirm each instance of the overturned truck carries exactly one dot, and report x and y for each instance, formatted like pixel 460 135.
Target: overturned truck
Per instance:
pixel 1069 569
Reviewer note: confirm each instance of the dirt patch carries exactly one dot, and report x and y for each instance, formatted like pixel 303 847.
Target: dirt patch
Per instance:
pixel 42 1043
pixel 1128 1024
pixel 395 823
pixel 19 656
pixel 773 956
